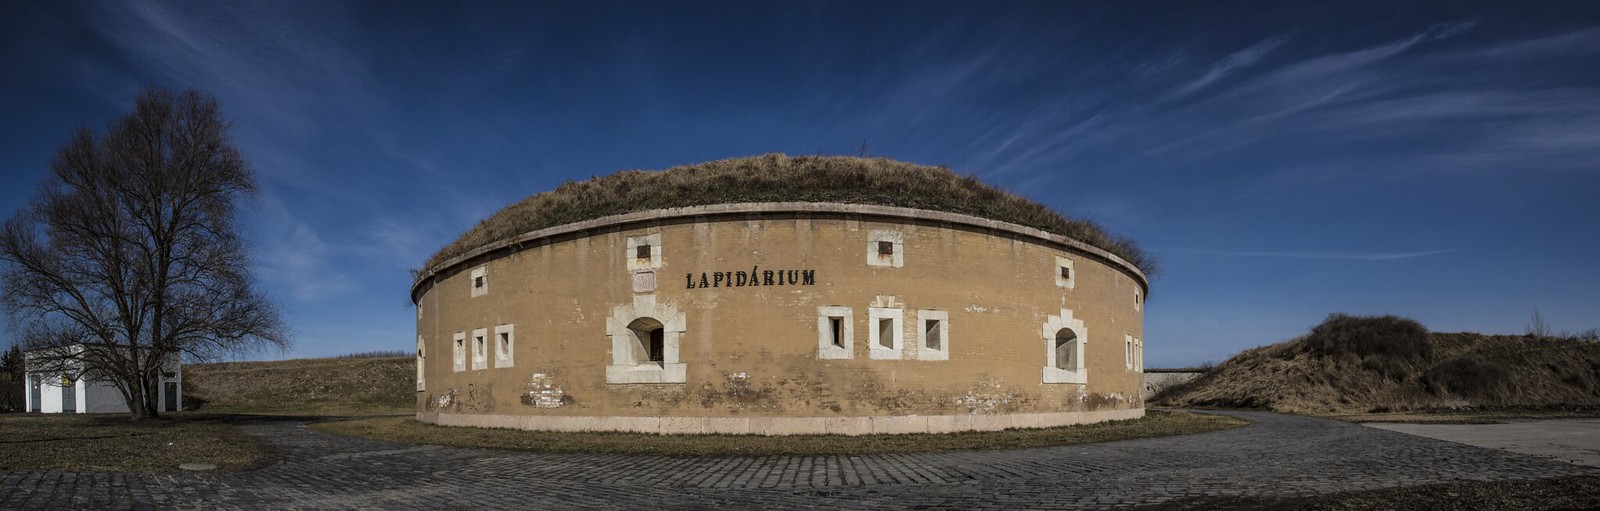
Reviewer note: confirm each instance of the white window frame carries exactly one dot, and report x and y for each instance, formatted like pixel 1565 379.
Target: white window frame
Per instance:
pixel 422 359
pixel 504 349
pixel 480 349
pixel 1078 374
pixel 1138 354
pixel 924 352
pixel 895 260
pixel 825 348
pixel 1138 299
pixel 1071 282
pixel 481 272
pixel 1127 351
pixel 458 347
pixel 898 336
pixel 636 264
pixel 624 368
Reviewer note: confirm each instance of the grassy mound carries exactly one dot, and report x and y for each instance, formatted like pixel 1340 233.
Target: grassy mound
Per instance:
pixel 779 178
pixel 1352 364
pixel 331 386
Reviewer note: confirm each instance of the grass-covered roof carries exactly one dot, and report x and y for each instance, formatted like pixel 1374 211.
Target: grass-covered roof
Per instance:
pixel 780 178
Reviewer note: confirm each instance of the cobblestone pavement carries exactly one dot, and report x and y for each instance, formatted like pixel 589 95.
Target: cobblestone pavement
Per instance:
pixel 1279 455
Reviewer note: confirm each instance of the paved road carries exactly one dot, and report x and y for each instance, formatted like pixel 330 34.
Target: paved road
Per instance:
pixel 1277 456
pixel 1570 440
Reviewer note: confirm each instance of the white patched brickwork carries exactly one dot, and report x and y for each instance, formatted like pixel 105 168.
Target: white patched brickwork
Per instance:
pixel 543 392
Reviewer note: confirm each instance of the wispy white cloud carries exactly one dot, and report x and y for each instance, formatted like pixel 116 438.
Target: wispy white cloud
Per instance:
pixel 292 256
pixel 1233 62
pixel 1579 42
pixel 1357 256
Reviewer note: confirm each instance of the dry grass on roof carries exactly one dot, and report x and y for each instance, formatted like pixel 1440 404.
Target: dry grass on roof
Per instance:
pixel 780 178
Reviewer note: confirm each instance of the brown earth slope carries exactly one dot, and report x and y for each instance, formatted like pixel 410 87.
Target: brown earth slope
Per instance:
pixel 332 386
pixel 1365 364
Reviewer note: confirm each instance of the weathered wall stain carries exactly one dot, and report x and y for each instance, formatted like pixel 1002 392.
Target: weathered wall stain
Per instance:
pixel 988 396
pixel 738 393
pixel 544 392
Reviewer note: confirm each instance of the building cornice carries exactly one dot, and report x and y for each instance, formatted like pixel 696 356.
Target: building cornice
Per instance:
pixel 613 222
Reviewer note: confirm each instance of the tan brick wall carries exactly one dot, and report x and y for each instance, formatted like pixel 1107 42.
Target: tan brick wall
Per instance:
pixel 752 351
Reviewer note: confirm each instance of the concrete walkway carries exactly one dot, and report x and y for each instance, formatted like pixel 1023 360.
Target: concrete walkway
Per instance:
pixel 1568 440
pixel 1278 456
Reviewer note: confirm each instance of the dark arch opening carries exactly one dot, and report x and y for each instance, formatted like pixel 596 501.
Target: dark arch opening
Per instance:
pixel 649 337
pixel 1066 349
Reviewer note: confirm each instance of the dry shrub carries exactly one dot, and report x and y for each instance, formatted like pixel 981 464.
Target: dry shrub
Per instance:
pixel 780 178
pixel 1351 372
pixel 1369 336
pixel 1466 377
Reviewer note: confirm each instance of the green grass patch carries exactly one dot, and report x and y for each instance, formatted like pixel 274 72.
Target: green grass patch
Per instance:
pixel 112 443
pixel 407 430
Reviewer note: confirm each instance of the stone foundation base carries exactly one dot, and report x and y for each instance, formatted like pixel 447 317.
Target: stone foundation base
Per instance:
pixel 777 426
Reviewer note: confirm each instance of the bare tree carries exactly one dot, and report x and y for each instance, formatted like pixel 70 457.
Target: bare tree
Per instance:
pixel 1537 327
pixel 130 247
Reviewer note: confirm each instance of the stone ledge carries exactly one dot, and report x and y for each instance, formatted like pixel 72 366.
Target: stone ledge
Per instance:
pixel 782 426
pixel 657 215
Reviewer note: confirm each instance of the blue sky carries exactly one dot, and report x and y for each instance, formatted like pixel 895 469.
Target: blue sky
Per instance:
pixel 1283 160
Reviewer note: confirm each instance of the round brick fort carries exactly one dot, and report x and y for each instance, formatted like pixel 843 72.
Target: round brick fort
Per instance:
pixel 853 308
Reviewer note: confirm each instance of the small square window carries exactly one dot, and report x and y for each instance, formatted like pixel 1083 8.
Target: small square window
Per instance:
pixel 886 248
pixel 504 346
pixel 643 252
pixel 834 333
pixel 1064 275
pixel 480 352
pixel 480 281
pixel 459 351
pixel 885 334
pixel 933 338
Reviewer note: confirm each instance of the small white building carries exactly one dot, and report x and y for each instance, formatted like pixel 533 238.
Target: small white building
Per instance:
pixel 59 388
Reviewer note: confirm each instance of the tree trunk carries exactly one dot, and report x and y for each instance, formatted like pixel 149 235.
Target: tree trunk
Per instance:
pixel 136 400
pixel 152 396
